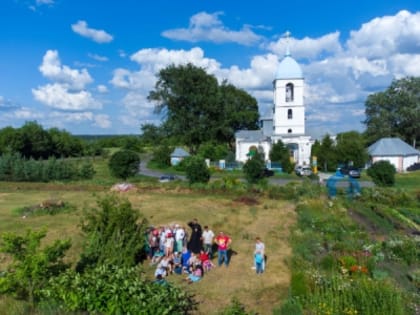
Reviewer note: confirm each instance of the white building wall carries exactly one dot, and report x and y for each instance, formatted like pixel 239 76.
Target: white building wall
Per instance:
pixel 242 149
pixel 400 163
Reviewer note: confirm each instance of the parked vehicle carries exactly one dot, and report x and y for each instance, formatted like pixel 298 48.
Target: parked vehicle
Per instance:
pixel 166 178
pixel 351 171
pixel 268 172
pixel 303 170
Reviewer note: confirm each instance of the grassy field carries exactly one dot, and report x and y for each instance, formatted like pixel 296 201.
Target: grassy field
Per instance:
pixel 241 219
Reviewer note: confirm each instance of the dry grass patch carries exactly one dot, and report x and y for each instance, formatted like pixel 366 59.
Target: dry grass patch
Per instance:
pixel 243 221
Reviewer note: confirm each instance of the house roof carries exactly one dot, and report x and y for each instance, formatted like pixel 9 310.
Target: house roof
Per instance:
pixel 179 152
pixel 391 147
pixel 250 135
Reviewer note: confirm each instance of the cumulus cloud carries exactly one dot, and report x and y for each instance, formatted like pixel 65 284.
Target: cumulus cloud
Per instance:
pixel 99 36
pixel 102 121
pixel 68 90
pixel 52 69
pixel 385 36
pixel 307 47
pixel 208 27
pixel 58 96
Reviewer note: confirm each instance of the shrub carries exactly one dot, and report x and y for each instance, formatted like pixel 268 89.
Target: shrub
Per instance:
pixel 254 168
pixel 110 289
pixel 114 233
pixel 31 266
pixel 86 170
pixel 382 173
pixel 197 170
pixel 124 163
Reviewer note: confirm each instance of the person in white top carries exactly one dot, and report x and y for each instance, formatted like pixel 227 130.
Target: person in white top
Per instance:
pixel 260 248
pixel 208 237
pixel 179 237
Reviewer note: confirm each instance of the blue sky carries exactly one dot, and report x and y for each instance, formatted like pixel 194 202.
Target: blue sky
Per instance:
pixel 88 66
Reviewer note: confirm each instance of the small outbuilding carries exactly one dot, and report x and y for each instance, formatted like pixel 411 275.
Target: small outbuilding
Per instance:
pixel 394 150
pixel 178 155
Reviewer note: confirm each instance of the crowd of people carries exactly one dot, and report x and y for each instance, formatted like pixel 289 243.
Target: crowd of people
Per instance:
pixel 174 249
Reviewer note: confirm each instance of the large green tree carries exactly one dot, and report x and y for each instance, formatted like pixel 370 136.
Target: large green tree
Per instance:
pixel 197 109
pixel 395 112
pixel 351 148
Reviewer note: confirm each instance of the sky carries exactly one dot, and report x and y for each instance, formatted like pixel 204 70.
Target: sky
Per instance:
pixel 87 66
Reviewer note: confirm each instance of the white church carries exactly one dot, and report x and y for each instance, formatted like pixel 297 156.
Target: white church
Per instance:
pixel 286 122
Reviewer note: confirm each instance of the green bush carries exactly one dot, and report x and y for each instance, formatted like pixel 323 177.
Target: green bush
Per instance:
pixel 254 168
pixel 111 289
pixel 197 170
pixel 124 163
pixel 114 234
pixel 382 173
pixel 31 266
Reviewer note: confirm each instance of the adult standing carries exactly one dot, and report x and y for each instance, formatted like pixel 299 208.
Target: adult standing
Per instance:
pixel 260 249
pixel 223 241
pixel 208 236
pixel 179 238
pixel 195 245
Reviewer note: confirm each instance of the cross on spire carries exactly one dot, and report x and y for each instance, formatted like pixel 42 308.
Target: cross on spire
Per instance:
pixel 287 35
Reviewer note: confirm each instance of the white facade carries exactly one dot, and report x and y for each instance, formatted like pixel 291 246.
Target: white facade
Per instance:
pixel 401 163
pixel 288 121
pixel 243 147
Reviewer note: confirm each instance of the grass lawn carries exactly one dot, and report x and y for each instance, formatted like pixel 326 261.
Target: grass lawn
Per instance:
pixel 243 221
pixel 408 181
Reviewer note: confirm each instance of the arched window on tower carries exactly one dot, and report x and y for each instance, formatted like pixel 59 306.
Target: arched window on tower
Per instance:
pixel 289 92
pixel 289 113
pixel 289 131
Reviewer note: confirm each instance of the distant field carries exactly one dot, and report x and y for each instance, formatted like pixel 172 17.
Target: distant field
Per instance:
pixel 268 219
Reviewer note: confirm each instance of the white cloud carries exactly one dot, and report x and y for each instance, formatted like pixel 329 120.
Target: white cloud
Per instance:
pixel 52 69
pixel 102 121
pixel 385 36
pixel 310 48
pixel 68 90
pixel 207 27
pixel 77 118
pixel 99 36
pixel 102 88
pixel 23 113
pixel 98 57
pixel 155 59
pixel 58 96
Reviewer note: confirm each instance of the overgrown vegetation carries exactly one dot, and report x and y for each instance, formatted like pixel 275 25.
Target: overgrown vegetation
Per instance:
pixel 339 267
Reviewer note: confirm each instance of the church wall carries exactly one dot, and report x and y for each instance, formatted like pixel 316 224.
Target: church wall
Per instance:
pixel 242 149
